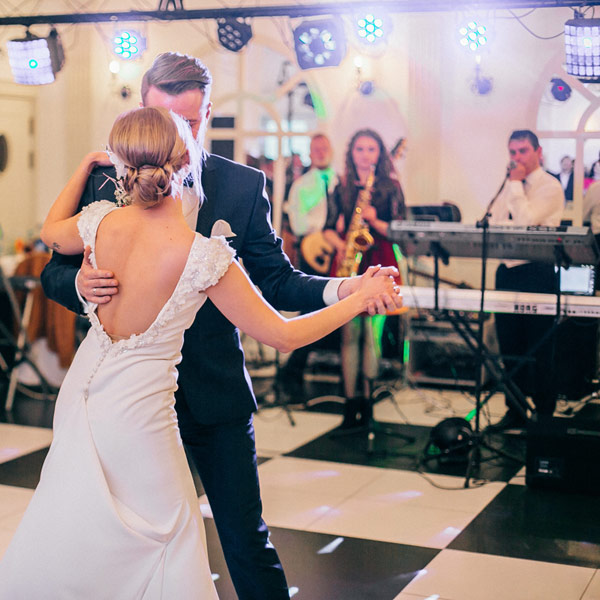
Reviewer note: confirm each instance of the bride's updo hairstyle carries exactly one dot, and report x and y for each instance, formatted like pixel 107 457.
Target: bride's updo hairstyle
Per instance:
pixel 150 144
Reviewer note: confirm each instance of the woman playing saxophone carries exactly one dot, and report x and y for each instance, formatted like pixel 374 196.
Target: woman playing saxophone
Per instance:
pixel 367 198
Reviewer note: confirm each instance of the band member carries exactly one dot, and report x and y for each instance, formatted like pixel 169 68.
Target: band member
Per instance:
pixel 367 185
pixel 307 200
pixel 307 213
pixel 531 196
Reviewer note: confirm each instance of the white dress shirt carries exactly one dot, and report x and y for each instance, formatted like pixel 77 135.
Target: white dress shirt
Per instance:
pixel 539 201
pixel 307 201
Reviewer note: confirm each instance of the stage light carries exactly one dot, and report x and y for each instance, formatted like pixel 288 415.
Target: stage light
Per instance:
pixel 319 44
pixel 473 36
pixel 233 34
pixel 34 60
pixel 582 49
pixel 370 28
pixel 560 89
pixel 450 438
pixel 129 44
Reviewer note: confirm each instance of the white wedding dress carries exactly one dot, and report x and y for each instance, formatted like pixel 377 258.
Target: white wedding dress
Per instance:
pixel 115 515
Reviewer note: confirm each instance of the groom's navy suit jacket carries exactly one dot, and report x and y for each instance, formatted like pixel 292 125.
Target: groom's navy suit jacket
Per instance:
pixel 212 374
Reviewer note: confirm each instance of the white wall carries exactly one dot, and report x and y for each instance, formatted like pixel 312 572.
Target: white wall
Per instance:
pixel 456 139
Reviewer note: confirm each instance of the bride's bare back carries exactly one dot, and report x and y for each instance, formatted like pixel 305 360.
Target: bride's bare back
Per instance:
pixel 147 251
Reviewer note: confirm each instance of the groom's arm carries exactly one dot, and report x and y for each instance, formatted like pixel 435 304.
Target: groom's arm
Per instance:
pixel 58 277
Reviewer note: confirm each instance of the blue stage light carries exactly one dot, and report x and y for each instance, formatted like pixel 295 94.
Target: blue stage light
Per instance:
pixel 473 36
pixel 129 45
pixel 370 28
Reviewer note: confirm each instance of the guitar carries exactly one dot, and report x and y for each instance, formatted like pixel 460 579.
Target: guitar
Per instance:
pixel 317 252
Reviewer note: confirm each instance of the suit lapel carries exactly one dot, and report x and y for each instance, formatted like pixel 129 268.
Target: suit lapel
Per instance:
pixel 207 213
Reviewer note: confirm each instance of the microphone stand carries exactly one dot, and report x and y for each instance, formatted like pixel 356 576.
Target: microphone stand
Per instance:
pixel 484 222
pixel 475 450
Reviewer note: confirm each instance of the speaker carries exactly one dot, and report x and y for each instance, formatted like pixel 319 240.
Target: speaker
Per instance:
pixel 563 454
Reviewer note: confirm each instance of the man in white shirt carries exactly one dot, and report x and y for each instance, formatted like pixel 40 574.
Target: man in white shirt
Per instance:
pixel 531 197
pixel 307 213
pixel 307 200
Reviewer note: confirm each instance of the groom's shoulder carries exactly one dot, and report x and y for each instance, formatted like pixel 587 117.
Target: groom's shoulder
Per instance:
pixel 223 166
pixel 100 185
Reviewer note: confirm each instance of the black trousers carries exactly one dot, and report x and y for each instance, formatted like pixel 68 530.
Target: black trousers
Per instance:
pixel 518 334
pixel 225 457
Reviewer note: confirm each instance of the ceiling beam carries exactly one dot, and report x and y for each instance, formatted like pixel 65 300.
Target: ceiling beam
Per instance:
pixel 293 10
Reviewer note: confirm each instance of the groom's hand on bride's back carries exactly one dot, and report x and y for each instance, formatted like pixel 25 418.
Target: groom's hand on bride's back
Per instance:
pixel 95 285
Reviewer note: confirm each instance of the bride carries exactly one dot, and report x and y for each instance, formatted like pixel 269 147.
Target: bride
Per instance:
pixel 115 515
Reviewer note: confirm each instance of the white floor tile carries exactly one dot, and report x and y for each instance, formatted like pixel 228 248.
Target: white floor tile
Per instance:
pixel 17 440
pixel 519 478
pixel 402 488
pixel 593 590
pixel 396 523
pixel 320 478
pixel 405 596
pixel 13 500
pixel 468 576
pixel 295 510
pixel 10 522
pixel 276 435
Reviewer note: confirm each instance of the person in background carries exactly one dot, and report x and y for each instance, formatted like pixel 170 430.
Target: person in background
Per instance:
pixel 307 213
pixel 565 176
pixel 531 196
pixel 398 156
pixel 593 175
pixel 361 338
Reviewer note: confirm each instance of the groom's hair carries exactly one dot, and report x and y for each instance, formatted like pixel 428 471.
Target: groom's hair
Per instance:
pixel 175 73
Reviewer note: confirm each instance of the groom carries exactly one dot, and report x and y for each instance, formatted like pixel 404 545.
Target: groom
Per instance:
pixel 215 402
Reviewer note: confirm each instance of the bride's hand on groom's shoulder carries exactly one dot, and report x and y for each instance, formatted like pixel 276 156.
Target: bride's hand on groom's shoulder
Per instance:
pixel 96 159
pixel 95 285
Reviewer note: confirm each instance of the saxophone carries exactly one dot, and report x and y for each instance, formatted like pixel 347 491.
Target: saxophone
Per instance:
pixel 358 237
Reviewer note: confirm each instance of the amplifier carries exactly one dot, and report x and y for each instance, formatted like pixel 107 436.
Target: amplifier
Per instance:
pixel 564 454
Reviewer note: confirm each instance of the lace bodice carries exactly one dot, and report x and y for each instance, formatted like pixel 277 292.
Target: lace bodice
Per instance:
pixel 207 262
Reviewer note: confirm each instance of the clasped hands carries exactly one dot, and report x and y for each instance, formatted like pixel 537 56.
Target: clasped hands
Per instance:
pixel 385 291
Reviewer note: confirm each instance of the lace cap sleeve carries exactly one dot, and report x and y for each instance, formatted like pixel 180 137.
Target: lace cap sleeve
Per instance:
pixel 212 257
pixel 90 218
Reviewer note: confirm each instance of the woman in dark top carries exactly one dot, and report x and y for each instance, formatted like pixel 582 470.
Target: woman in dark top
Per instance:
pixel 361 347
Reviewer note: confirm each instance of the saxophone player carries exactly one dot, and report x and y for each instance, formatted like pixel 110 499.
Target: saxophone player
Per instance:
pixel 367 198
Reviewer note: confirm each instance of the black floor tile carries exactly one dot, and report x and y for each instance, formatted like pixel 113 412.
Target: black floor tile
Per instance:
pixel 23 471
pixel 26 410
pixel 356 569
pixel 397 452
pixel 534 524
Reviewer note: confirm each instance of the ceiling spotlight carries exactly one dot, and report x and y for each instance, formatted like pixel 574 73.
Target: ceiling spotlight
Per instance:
pixel 34 60
pixel 233 34
pixel 473 36
pixel 129 44
pixel 319 44
pixel 582 48
pixel 372 27
pixel 560 89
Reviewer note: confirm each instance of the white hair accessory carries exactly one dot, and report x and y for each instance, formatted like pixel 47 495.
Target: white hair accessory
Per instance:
pixel 121 196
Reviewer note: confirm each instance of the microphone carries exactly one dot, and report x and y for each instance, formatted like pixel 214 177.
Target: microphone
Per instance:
pixel 511 165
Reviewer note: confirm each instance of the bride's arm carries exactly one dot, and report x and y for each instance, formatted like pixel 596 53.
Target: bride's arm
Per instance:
pixel 237 298
pixel 59 231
